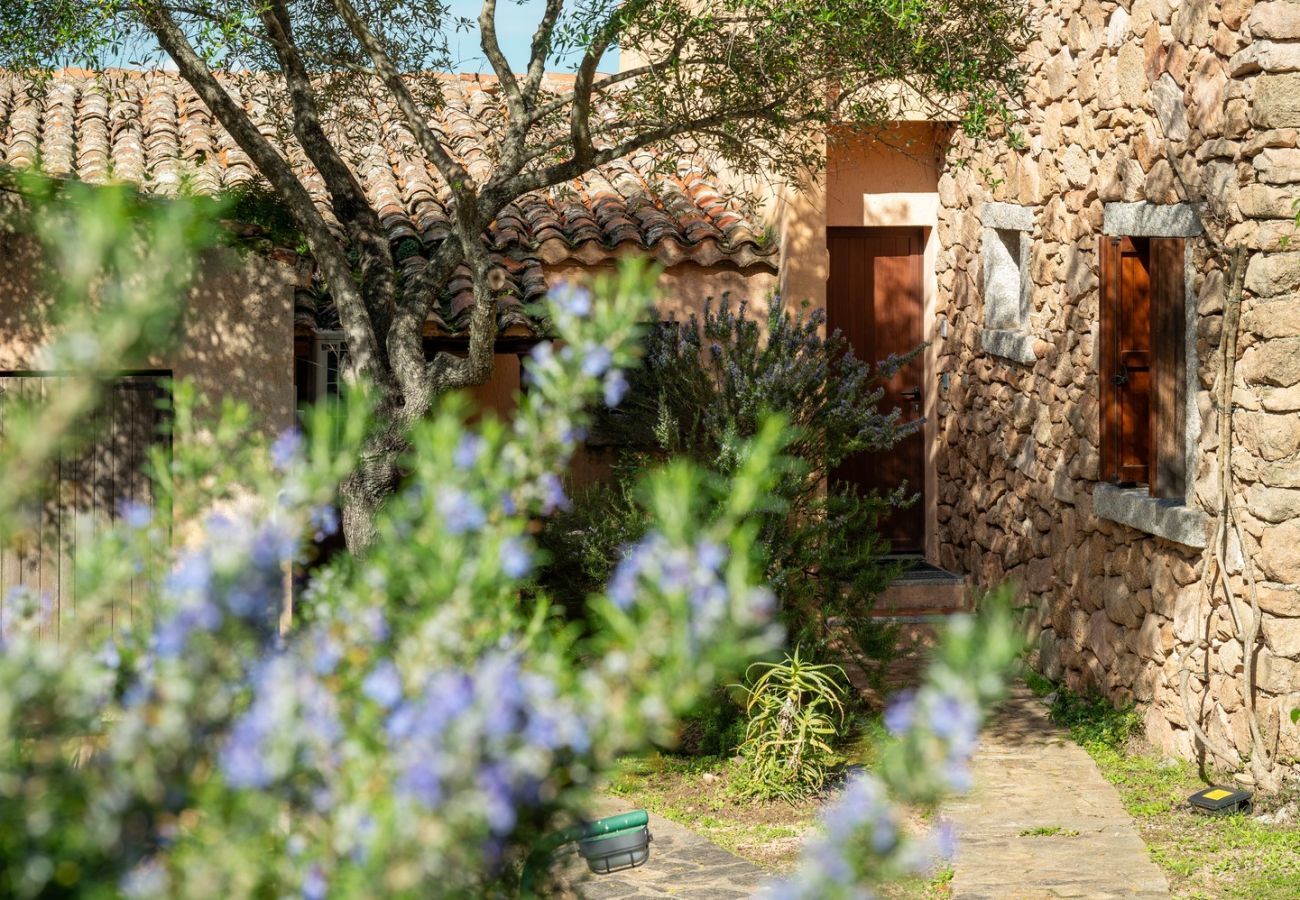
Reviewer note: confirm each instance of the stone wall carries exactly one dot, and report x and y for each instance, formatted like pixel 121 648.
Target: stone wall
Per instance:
pixel 1165 102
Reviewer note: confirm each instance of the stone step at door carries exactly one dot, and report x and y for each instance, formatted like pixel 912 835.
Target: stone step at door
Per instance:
pixel 924 592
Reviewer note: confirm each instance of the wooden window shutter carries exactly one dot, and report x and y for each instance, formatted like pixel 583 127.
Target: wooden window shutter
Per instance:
pixel 1106 365
pixel 1169 382
pixel 1125 361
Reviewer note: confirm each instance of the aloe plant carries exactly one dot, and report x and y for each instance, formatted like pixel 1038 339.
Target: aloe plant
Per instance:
pixel 795 711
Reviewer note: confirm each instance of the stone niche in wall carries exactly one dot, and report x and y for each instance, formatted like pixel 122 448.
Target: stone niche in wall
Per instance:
pixel 1007 289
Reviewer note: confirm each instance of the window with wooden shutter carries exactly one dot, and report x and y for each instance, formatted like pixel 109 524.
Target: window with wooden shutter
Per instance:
pixel 1142 366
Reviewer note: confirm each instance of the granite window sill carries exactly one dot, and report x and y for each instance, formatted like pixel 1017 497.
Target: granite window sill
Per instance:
pixel 1013 345
pixel 1174 520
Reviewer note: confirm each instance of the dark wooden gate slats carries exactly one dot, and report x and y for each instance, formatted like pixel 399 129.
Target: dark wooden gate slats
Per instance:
pixel 29 562
pixel 84 490
pixel 9 570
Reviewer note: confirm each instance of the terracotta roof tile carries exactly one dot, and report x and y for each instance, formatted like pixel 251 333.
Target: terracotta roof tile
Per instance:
pixel 151 129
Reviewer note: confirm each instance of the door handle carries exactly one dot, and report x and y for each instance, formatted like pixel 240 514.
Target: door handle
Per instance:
pixel 913 394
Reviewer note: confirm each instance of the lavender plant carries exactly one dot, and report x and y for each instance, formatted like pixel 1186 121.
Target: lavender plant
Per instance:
pixel 706 386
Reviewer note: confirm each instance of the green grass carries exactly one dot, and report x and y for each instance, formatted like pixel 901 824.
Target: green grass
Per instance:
pixel 1204 856
pixel 1039 685
pixel 694 791
pixel 1049 831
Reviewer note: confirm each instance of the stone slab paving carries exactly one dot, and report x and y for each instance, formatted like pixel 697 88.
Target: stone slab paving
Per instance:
pixel 1029 774
pixel 682 865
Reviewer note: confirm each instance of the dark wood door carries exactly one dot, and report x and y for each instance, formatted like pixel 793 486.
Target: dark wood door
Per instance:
pixel 874 296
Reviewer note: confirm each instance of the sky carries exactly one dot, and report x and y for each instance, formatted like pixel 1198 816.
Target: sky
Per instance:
pixel 516 21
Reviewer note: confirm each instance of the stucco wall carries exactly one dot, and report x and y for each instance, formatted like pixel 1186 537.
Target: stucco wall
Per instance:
pixel 236 339
pixel 1163 102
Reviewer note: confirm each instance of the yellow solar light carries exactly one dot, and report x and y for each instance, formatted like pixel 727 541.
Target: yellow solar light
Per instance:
pixel 1220 801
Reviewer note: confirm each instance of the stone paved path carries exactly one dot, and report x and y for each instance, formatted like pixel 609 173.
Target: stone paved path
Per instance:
pixel 1030 775
pixel 682 865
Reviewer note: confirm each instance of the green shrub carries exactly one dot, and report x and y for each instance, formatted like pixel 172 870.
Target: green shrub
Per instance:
pixel 795 713
pixel 700 395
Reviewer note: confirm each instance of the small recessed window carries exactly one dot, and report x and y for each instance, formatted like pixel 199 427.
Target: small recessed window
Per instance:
pixel 1007 231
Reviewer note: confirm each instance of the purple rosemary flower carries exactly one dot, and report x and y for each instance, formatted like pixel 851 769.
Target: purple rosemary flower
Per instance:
pixel 901 712
pixel 108 655
pixel 460 513
pixel 516 561
pixel 383 685
pixel 553 496
pixel 135 515
pixel 273 545
pixel 326 653
pixel 468 451
pixel 324 520
pixel 615 388
pixel 945 838
pixel 421 780
pixel 314 885
pixel 286 450
pixel 576 301
pixel 191 575
pixel 596 361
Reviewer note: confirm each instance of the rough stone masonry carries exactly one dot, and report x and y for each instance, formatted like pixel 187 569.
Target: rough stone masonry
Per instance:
pixel 1165 104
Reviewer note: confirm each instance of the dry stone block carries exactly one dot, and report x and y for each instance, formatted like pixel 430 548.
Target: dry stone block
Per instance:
pixel 1273 274
pixel 1170 109
pixel 1049 655
pixel 1280 399
pixel 1279 552
pixel 1275 362
pixel 1279 20
pixel 1282 636
pixel 1280 601
pixel 1154 640
pixel 1273 319
pixel 1277 101
pixel 1191 22
pixel 1265 56
pixel 1132 76
pixel 1189 617
pixel 1277 674
pixel 1278 165
pixel 1274 504
pixel 1206 94
pixel 1262 201
pixel 1283 473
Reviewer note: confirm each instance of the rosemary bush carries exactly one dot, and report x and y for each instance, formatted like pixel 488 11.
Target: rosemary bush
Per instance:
pixel 417 730
pixel 704 388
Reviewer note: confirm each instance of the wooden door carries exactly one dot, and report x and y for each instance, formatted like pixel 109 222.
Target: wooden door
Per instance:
pixel 874 296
